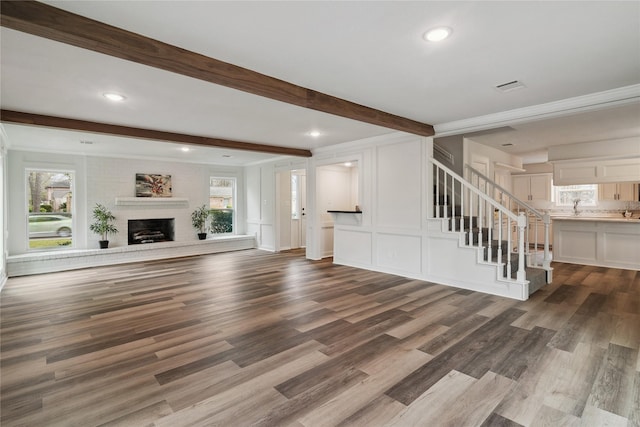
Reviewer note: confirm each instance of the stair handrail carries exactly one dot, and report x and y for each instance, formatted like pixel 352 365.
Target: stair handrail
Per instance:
pixel 519 219
pixel 546 218
pixel 507 192
pixel 477 191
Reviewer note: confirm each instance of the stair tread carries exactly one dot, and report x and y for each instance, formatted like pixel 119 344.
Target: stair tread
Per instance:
pixel 537 277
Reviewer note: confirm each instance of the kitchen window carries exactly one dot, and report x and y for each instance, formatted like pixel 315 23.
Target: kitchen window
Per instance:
pixel 566 195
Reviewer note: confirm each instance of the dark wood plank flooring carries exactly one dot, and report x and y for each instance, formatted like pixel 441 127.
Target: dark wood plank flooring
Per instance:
pixel 254 338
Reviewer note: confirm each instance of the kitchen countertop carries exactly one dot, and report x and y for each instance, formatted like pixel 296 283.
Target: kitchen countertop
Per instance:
pixel 603 218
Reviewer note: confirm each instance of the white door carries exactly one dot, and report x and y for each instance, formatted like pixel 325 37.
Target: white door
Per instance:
pixel 299 209
pixel 303 210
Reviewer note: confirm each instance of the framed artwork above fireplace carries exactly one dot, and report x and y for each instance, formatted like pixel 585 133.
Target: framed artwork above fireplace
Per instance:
pixel 153 185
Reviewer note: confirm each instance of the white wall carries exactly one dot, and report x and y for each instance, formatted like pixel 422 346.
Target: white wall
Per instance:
pixel 283 209
pixel 260 192
pixel 478 152
pixel 389 235
pixel 101 180
pixel 336 189
pixel 3 209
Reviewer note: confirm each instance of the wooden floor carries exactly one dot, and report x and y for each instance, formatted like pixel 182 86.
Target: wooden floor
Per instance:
pixel 254 338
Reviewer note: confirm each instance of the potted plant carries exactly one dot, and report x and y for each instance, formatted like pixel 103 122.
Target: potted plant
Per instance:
pixel 199 221
pixel 103 224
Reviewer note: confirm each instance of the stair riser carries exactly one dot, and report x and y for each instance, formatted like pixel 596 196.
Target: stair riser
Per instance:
pixel 475 237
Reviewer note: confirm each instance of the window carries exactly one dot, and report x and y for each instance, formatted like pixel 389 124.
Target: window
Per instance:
pixel 49 209
pixel 222 194
pixel 567 195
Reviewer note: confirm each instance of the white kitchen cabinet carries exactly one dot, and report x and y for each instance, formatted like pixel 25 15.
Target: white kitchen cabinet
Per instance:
pixel 622 191
pixel 532 187
pixel 606 242
pixel 596 171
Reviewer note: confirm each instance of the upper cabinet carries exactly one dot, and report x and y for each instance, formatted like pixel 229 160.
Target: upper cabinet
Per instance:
pixel 532 187
pixel 596 172
pixel 623 191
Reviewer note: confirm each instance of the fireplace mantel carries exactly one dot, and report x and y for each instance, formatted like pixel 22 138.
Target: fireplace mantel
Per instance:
pixel 180 202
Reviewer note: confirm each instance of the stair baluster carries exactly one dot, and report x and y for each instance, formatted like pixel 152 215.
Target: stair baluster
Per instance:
pixel 474 219
pixel 533 220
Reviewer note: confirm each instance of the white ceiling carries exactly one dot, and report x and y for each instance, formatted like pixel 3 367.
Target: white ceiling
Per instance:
pixel 366 52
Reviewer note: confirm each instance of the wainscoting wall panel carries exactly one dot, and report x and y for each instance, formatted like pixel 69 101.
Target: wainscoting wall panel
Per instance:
pixel 356 243
pixel 402 253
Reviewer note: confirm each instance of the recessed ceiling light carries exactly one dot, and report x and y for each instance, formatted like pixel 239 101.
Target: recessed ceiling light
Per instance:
pixel 348 164
pixel 437 34
pixel 314 133
pixel 186 149
pixel 112 96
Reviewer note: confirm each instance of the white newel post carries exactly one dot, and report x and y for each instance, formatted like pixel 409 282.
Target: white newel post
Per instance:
pixel 547 255
pixel 522 223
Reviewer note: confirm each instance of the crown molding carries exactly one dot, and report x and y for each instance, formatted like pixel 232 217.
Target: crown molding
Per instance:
pixel 595 101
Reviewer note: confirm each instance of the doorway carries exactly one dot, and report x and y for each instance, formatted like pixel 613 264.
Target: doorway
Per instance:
pixel 298 209
pixel 291 210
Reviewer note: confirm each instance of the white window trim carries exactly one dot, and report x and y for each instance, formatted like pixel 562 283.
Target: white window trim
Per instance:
pixel 556 198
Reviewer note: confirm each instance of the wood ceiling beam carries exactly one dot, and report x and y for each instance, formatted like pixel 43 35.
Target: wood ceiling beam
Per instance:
pixel 9 116
pixel 56 24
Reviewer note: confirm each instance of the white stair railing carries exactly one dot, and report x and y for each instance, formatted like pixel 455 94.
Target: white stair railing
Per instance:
pixel 535 219
pixel 484 222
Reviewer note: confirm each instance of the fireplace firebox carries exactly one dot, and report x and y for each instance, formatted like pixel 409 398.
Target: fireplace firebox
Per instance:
pixel 151 230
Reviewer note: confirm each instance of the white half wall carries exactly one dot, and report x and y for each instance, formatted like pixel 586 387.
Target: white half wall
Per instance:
pixel 393 234
pixel 389 234
pixel 336 189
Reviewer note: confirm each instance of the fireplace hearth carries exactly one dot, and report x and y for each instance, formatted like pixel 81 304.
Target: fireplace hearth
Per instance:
pixel 151 230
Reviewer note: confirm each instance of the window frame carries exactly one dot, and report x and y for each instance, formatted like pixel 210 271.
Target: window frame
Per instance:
pixel 234 204
pixel 72 189
pixel 568 188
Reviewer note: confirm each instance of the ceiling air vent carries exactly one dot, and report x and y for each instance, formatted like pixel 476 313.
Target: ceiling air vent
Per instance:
pixel 509 86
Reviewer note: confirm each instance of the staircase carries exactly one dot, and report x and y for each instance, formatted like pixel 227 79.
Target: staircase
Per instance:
pixel 537 252
pixel 494 228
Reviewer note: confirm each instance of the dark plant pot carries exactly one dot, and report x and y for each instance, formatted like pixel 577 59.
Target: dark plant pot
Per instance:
pixel 104 244
pixel 202 236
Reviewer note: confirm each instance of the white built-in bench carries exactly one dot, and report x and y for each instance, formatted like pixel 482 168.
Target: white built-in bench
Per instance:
pixel 60 260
